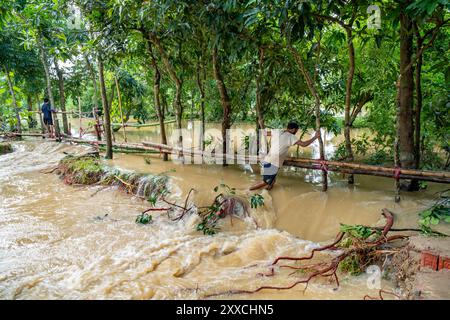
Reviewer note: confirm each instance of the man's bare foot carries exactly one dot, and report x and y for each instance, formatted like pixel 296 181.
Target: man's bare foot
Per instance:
pixel 259 186
pixel 270 186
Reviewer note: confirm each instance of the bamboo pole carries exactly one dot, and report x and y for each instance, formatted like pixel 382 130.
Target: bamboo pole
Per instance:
pixel 61 112
pixel 372 168
pixel 313 164
pixel 344 167
pixel 153 124
pixel 423 176
pixel 126 146
pixel 120 109
pixel 13 134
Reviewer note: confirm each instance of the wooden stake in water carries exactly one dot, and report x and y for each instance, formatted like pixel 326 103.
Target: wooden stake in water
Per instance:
pixel 120 109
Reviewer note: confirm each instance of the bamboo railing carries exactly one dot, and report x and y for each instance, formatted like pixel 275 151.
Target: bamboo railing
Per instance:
pixel 314 164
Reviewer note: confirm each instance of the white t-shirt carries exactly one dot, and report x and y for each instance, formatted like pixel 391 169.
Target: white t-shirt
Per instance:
pixel 281 141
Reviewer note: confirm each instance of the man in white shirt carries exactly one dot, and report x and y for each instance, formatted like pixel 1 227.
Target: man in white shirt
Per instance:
pixel 278 153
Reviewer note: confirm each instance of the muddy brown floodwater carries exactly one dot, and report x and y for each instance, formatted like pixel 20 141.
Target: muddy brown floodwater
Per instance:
pixel 72 242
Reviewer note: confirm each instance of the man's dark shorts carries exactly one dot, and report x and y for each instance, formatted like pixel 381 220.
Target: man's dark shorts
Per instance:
pixel 269 172
pixel 48 121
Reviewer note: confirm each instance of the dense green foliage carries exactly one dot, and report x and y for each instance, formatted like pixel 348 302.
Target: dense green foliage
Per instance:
pixel 439 212
pixel 258 45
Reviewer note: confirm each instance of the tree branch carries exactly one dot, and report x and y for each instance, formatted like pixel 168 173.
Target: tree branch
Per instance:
pixel 420 51
pixel 357 109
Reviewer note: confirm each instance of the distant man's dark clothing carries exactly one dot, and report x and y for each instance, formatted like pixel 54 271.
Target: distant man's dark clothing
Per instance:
pixel 47 112
pixel 48 121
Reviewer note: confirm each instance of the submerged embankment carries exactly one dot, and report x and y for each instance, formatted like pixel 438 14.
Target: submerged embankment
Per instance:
pixel 82 242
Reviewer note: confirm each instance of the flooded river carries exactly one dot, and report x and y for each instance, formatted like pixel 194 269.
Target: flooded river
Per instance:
pixel 75 242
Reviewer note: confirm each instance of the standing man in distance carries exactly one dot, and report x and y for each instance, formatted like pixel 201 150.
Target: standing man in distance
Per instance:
pixel 48 119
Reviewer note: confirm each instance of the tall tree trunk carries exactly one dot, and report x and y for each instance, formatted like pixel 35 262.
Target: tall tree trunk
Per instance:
pixel 178 107
pixel 396 143
pixel 94 80
pixel 259 103
pixel 44 61
pixel 201 78
pixel 156 98
pixel 405 128
pixel 62 98
pixel 122 122
pixel 110 102
pixel 418 110
pixel 14 101
pixel 94 84
pixel 164 104
pixel 40 114
pixel 111 97
pixel 315 94
pixel 31 121
pixel 348 118
pixel 109 151
pixel 191 115
pixel 224 100
pixel 348 96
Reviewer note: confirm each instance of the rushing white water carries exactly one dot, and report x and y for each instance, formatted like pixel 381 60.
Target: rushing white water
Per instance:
pixel 72 242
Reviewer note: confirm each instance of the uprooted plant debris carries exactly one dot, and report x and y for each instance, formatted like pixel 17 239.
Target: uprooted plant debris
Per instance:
pixel 226 203
pixel 356 247
pixel 222 206
pixel 88 170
